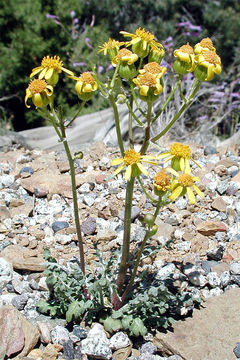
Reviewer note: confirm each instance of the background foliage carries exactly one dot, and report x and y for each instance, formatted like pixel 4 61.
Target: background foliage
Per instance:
pixel 74 30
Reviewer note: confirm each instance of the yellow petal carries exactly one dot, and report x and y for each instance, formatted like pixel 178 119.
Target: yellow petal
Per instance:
pixel 35 71
pixel 148 157
pixel 191 195
pixel 128 172
pixel 187 167
pixel 176 193
pixel 119 169
pixel 142 169
pixel 173 172
pixel 117 161
pixel 196 178
pixel 67 71
pixel 182 163
pixel 28 95
pixel 163 155
pixel 210 72
pixel 49 74
pixel 37 100
pixel 42 73
pixel 198 191
pixel 144 90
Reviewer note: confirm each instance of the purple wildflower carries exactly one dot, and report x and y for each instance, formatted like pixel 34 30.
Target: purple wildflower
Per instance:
pixel 72 13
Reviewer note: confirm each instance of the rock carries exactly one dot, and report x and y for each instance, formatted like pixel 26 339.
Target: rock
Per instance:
pixel 20 301
pixel 26 170
pixel 89 226
pixel 164 229
pixel 216 253
pixel 80 331
pixel 106 235
pixel 122 354
pixel 119 340
pixel 59 335
pixel 235 268
pixel 213 279
pixel 209 228
pixel 236 178
pixel 148 348
pixel 219 204
pixel 4 213
pixel 211 332
pixel 59 225
pixel 68 350
pixel 6 272
pixel 96 344
pixel 209 150
pixel 135 213
pixel 16 333
pixel 45 331
pixel 23 258
pixel 236 350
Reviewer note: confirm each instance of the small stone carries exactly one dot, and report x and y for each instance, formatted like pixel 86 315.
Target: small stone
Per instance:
pixel 59 225
pixel 20 301
pixel 44 329
pixel 68 350
pixel 6 272
pixel 165 271
pixel 219 204
pixel 26 170
pixel 23 159
pixel 209 150
pixel 197 279
pixel 148 348
pixel 235 268
pixel 119 340
pixel 80 331
pixel 225 278
pixel 59 335
pixel 209 228
pixel 207 265
pixel 40 191
pixel 4 213
pixel 106 235
pixel 236 350
pixel 213 279
pixel 89 226
pixel 216 253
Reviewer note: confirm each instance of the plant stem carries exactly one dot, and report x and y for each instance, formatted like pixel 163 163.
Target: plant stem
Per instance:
pixel 145 191
pixel 126 235
pixel 147 129
pixel 146 237
pixel 196 86
pixel 130 129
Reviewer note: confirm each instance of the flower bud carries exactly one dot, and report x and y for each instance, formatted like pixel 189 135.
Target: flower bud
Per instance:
pixel 153 230
pixel 149 219
pixel 121 99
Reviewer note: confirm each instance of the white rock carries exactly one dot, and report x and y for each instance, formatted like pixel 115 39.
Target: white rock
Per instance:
pixel 197 279
pixel 119 341
pixel 235 268
pixel 216 292
pixel 59 335
pixel 6 272
pixel 225 278
pixel 213 279
pixel 165 271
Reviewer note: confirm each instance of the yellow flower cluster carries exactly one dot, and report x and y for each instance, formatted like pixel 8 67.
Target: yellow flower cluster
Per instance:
pixel 203 60
pixel 181 181
pixel 41 89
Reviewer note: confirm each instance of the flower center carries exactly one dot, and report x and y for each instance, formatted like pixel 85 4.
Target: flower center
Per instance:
pixel 147 79
pixel 144 35
pixel 206 43
pixel 52 62
pixel 153 68
pixel 87 78
pixel 131 157
pixel 180 150
pixel 185 180
pixel 161 180
pixel 37 86
pixel 186 49
pixel 124 52
pixel 210 56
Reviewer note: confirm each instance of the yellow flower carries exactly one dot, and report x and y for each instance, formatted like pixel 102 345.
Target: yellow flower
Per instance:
pixel 85 86
pixel 111 48
pixel 126 56
pixel 40 92
pixel 179 154
pixel 149 85
pixel 184 184
pixel 49 69
pixel 162 181
pixel 204 44
pixel 185 59
pixel 141 41
pixel 208 64
pixel 153 68
pixel 132 160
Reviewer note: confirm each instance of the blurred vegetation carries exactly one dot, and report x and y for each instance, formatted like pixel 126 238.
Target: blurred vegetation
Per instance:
pixel 74 29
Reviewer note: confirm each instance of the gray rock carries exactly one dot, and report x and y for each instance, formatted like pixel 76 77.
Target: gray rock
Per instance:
pixel 89 199
pixel 197 279
pixel 89 226
pixel 59 225
pixel 165 271
pixel 236 350
pixel 234 268
pixel 80 331
pixel 6 272
pixel 225 278
pixel 148 348
pixel 213 279
pixel 59 335
pixel 135 213
pixel 20 301
pixel 6 181
pixel 222 187
pixel 26 170
pixel 97 347
pixel 207 265
pixel 23 159
pixel 209 149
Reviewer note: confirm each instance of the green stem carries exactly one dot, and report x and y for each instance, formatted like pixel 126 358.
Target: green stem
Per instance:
pixel 117 124
pixel 135 98
pixel 130 129
pixel 196 86
pixel 126 235
pixel 145 191
pixel 133 115
pixel 146 237
pixel 147 129
pixel 77 113
pixel 167 101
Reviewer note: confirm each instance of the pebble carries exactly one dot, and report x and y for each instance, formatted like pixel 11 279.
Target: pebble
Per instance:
pixel 59 225
pixel 89 226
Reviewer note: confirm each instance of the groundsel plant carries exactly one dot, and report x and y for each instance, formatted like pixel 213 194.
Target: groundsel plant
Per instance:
pixel 138 75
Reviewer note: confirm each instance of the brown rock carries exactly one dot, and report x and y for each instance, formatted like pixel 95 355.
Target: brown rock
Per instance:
pixel 199 244
pixel 63 166
pixel 50 352
pixel 25 209
pixel 4 212
pixel 16 333
pixel 164 229
pixel 44 329
pixel 23 258
pixel 227 163
pixel 36 354
pixel 219 204
pixel 122 354
pixel 15 203
pixel 220 268
pixel 211 333
pixel 209 228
